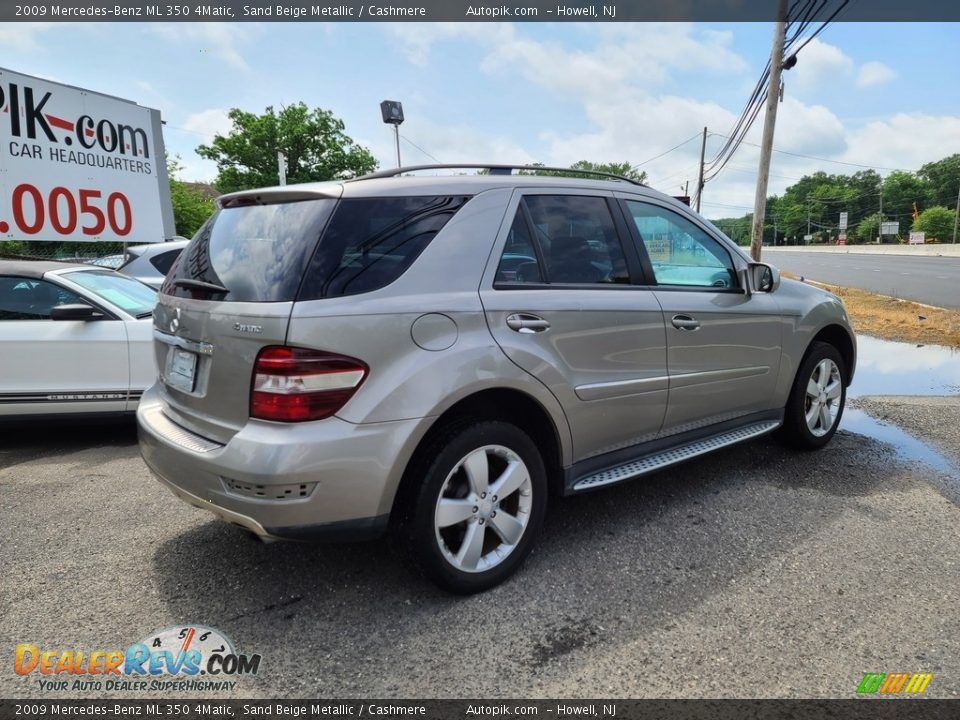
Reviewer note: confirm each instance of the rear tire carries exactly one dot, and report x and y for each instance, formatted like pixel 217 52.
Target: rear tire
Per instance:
pixel 477 506
pixel 817 398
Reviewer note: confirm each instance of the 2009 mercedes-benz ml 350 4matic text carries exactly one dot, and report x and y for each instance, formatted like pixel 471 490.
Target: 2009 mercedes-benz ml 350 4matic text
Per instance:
pixel 442 354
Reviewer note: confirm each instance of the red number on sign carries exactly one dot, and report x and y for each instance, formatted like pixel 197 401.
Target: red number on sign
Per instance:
pixel 87 208
pixel 18 192
pixel 112 202
pixel 54 207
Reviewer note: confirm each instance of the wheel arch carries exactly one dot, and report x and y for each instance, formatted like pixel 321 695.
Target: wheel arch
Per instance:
pixel 840 338
pixel 507 404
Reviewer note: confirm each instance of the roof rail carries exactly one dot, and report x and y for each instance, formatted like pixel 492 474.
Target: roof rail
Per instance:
pixel 493 170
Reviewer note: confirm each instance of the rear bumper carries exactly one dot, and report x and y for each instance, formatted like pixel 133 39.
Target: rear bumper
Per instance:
pixel 326 480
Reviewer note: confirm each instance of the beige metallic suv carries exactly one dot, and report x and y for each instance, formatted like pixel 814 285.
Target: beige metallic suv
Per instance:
pixel 444 354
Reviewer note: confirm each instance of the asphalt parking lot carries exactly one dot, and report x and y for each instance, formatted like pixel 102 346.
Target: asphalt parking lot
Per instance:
pixel 755 572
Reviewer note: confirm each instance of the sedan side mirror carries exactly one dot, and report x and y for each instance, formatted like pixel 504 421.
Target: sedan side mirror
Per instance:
pixel 763 278
pixel 76 311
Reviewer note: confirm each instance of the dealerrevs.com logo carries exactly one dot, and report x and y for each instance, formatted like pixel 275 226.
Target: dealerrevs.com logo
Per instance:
pixel 186 659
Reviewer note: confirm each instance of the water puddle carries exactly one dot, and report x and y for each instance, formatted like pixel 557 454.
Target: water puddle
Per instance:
pixel 893 368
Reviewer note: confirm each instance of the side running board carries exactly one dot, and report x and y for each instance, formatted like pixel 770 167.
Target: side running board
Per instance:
pixel 664 458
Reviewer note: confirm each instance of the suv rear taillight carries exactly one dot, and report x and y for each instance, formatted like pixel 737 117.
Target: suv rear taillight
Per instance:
pixel 292 384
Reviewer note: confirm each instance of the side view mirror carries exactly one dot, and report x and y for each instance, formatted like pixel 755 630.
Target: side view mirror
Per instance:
pixel 77 311
pixel 763 278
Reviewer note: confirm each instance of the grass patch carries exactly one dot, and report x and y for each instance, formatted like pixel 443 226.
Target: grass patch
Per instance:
pixel 893 319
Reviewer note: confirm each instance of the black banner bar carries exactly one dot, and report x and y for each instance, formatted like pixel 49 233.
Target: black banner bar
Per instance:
pixel 465 11
pixel 854 709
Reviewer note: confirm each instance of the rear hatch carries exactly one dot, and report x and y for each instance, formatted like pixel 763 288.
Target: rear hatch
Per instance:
pixel 230 295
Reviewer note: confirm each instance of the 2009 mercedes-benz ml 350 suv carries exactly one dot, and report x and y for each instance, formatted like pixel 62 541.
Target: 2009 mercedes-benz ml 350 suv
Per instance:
pixel 443 354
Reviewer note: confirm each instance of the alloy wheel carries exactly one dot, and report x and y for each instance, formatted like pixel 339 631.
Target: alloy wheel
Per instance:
pixel 483 508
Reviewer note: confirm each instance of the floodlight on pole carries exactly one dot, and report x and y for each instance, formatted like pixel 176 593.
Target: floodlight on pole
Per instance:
pixel 392 113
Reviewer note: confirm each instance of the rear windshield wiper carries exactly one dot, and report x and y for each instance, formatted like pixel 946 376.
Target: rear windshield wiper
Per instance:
pixel 199 285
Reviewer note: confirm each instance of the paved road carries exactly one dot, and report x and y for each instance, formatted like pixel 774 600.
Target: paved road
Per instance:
pixel 754 572
pixel 930 280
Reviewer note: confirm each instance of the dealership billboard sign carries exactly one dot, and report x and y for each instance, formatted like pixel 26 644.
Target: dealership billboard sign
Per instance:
pixel 80 166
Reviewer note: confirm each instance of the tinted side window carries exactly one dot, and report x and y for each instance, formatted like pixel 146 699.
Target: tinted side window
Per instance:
pixel 164 261
pixel 680 252
pixel 370 242
pixel 578 239
pixel 518 263
pixel 31 299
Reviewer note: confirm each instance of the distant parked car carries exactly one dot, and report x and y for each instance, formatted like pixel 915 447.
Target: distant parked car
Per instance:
pixel 150 263
pixel 108 261
pixel 74 339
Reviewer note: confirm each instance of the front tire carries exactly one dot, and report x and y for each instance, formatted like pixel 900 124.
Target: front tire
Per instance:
pixel 817 398
pixel 479 506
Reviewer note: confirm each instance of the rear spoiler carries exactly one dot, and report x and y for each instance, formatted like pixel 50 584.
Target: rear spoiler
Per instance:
pixel 282 194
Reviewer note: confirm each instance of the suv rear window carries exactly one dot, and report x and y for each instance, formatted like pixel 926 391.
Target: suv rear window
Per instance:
pixel 370 242
pixel 250 253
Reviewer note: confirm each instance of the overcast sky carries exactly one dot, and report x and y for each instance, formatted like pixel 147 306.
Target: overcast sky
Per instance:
pixel 877 95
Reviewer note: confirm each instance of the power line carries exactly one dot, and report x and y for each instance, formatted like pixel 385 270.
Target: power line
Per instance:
pixel 822 159
pixel 798 19
pixel 667 152
pixel 420 148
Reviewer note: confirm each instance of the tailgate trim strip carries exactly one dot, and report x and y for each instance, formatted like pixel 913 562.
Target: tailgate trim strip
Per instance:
pixel 201 348
pixel 169 430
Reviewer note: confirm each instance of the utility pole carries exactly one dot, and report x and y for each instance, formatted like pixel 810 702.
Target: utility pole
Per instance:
pixel 703 151
pixel 396 136
pixel 880 226
pixel 769 122
pixel 282 167
pixel 956 217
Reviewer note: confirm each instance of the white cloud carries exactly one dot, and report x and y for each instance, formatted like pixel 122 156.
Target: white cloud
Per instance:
pixel 635 54
pixel 875 73
pixel 820 63
pixel 220 40
pixel 907 140
pixel 22 36
pixel 417 39
pixel 447 144
pixel 208 123
pixel 198 128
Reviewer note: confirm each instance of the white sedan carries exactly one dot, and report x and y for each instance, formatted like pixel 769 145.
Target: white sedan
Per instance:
pixel 74 339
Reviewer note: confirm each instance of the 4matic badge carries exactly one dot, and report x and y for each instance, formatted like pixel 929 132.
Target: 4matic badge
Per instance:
pixel 181 653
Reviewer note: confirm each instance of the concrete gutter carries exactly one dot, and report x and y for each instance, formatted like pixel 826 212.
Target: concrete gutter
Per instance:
pixel 933 250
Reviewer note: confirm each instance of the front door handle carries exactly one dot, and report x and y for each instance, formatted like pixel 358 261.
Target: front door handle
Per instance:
pixel 526 323
pixel 685 322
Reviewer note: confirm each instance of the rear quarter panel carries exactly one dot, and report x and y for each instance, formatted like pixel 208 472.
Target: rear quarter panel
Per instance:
pixel 406 380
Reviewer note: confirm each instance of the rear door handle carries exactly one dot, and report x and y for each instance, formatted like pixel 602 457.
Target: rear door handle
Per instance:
pixel 526 323
pixel 685 322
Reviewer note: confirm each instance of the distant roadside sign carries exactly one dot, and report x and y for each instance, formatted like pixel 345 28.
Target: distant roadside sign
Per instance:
pixel 842 239
pixel 843 220
pixel 918 238
pixel 807 238
pixel 890 228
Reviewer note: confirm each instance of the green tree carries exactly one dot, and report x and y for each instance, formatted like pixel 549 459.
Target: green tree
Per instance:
pixel 936 222
pixel 944 177
pixel 900 191
pixel 314 142
pixel 624 169
pixel 190 206
pixel 868 229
